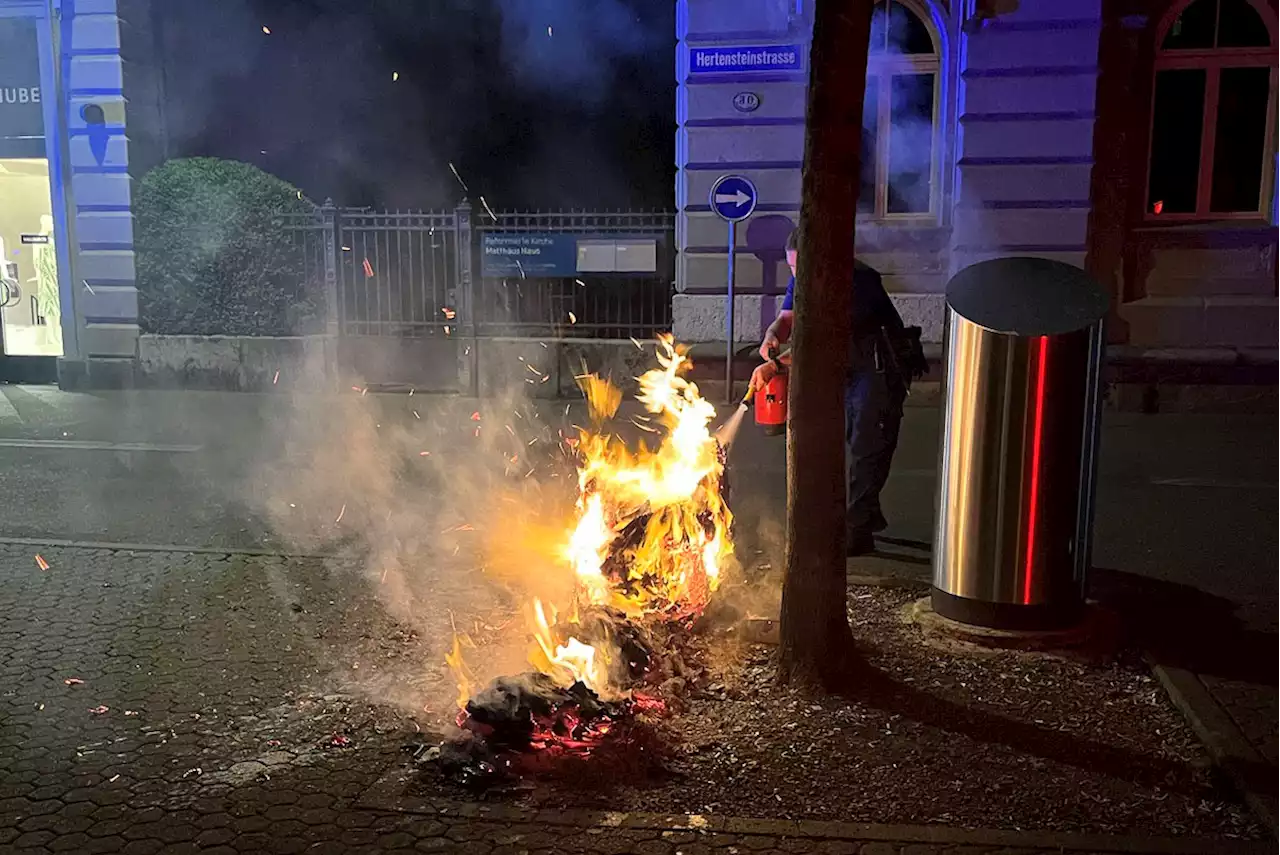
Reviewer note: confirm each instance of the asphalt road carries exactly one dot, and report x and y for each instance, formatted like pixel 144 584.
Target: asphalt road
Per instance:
pixel 1189 499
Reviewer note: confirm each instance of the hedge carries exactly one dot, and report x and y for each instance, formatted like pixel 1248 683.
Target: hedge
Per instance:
pixel 215 255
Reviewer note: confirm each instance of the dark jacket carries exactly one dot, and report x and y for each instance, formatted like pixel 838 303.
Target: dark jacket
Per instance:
pixel 872 312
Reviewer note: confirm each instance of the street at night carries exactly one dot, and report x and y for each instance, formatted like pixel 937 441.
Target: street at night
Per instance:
pixel 623 427
pixel 266 700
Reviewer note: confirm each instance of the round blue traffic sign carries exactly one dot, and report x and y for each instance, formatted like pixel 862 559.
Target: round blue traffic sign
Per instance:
pixel 733 197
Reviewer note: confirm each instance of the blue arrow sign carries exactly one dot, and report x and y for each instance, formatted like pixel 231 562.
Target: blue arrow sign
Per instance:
pixel 733 197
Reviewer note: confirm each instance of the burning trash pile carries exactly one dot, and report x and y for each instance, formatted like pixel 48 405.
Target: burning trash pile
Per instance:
pixel 649 538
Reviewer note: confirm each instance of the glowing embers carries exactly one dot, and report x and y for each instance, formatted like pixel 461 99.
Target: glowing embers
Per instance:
pixel 645 549
pixel 554 711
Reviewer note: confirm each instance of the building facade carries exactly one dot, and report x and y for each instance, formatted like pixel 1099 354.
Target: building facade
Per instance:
pixel 66 225
pixel 1078 130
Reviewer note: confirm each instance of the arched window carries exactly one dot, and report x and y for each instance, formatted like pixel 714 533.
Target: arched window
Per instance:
pixel 900 116
pixel 1212 111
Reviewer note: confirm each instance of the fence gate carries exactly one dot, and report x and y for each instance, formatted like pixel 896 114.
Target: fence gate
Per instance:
pixel 397 278
pixel 614 281
pixel 409 292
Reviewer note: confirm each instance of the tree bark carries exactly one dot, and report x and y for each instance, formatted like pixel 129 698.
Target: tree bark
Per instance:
pixel 817 649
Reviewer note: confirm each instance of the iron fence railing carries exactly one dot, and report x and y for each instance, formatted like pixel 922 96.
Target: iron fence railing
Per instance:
pixel 397 272
pixel 418 274
pixel 584 305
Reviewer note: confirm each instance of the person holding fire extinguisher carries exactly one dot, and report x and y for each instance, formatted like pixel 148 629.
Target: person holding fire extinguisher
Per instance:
pixel 884 357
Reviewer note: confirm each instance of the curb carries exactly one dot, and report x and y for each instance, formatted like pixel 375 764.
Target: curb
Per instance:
pixel 1227 746
pixel 116 546
pixel 388 793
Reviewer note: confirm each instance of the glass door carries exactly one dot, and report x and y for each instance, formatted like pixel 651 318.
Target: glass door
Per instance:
pixel 30 304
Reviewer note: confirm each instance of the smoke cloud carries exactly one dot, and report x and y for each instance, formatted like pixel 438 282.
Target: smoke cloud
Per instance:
pixel 455 513
pixel 551 45
pixel 369 103
pixel 898 113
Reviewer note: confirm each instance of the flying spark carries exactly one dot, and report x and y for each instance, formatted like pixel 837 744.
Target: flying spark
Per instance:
pixel 487 208
pixel 395 75
pixel 340 514
pixel 276 379
pixel 266 31
pixel 89 288
pixel 548 31
pixel 415 415
pixel 573 319
pixel 580 282
pixel 41 563
pixel 454 170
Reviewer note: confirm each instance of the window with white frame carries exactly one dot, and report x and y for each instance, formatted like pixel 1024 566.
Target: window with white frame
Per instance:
pixel 900 116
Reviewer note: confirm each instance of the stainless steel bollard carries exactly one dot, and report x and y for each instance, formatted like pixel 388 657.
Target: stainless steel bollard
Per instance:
pixel 1024 348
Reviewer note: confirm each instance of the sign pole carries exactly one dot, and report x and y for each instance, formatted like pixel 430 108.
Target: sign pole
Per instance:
pixel 728 348
pixel 733 199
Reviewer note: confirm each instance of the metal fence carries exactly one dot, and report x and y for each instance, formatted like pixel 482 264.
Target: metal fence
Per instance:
pixel 585 305
pixel 417 274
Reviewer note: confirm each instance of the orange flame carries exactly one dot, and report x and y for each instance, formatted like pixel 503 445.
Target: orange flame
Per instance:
pixel 651 529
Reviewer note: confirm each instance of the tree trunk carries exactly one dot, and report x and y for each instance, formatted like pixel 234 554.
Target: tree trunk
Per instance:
pixel 816 643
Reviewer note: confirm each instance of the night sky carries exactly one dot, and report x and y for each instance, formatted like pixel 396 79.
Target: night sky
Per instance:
pixel 578 115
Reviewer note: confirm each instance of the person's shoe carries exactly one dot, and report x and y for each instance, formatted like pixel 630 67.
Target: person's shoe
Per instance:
pixel 861 543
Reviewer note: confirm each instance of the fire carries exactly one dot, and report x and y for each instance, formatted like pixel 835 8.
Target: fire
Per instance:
pixel 462 674
pixel 651 531
pixel 573 661
pixel 672 491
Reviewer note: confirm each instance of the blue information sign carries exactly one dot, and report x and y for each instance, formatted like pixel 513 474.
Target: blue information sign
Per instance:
pixel 733 197
pixel 735 60
pixel 535 254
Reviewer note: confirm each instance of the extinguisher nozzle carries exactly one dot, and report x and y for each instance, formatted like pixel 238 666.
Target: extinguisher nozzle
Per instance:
pixel 751 393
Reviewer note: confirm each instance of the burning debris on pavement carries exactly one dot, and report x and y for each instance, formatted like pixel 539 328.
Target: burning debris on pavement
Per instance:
pixel 645 550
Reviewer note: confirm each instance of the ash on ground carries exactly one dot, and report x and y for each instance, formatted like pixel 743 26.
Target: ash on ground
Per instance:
pixel 996 741
pixel 522 728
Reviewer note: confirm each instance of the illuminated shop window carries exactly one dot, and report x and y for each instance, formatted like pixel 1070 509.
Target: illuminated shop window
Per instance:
pixel 1212 112
pixel 900 116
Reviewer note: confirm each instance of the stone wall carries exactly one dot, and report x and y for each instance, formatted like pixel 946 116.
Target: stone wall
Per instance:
pixel 1014 132
pixel 235 363
pixel 102 288
pixel 548 368
pixel 1024 153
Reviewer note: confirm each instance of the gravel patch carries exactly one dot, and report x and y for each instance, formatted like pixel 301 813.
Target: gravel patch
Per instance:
pixel 1006 741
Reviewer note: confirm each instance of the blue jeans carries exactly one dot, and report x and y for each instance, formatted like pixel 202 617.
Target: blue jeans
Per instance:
pixel 873 416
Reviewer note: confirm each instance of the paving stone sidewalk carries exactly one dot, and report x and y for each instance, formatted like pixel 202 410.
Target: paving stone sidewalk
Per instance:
pixel 180 702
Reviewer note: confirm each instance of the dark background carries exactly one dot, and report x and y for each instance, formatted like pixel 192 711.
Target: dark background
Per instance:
pixel 582 116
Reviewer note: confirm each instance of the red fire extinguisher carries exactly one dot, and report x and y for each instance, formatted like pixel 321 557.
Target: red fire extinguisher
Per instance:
pixel 771 401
